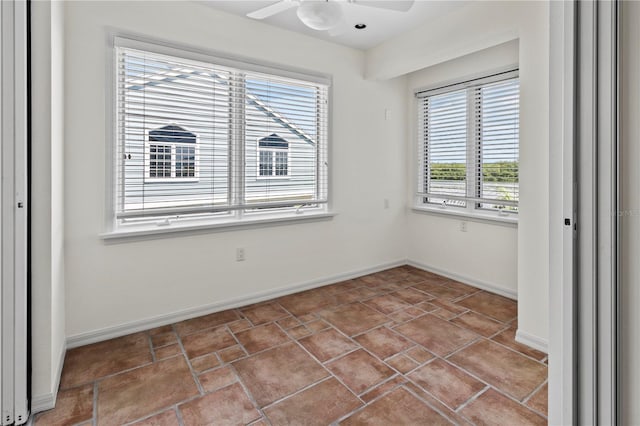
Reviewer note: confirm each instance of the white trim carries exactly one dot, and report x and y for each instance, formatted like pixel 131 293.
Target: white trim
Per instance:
pixel 562 293
pixel 532 341
pixel 275 218
pixel 510 220
pixel 157 321
pixel 492 288
pixel 502 74
pixel 47 401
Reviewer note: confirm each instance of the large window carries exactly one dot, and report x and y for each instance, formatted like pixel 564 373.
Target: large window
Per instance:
pixel 206 139
pixel 469 146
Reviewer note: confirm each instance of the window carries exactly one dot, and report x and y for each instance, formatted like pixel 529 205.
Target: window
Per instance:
pixel 172 154
pixel 274 156
pixel 469 146
pixel 186 132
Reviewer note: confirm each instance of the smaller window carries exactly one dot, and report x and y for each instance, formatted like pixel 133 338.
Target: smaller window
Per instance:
pixel 172 154
pixel 273 156
pixel 159 161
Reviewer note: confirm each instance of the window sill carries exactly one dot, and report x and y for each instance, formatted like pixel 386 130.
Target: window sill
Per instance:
pixel 511 220
pixel 146 232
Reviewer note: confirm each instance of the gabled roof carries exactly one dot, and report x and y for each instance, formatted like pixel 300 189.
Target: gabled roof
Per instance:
pixel 253 100
pixel 172 133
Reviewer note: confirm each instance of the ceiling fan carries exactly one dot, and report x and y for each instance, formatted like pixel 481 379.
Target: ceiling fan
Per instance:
pixel 325 15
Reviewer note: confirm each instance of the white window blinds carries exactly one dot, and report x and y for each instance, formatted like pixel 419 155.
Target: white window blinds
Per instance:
pixel 193 138
pixel 468 137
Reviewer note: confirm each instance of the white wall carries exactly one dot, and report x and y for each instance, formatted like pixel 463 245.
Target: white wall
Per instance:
pixel 468 29
pixel 47 207
pixel 487 252
pixel 630 214
pixel 116 284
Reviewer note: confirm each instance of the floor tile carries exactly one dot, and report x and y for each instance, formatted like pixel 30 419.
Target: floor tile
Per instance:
pixel 397 408
pixel 540 400
pixel 88 363
pixel 401 316
pixel 231 353
pixel 317 325
pixel 480 324
pixel 437 405
pixel 207 341
pixel 449 306
pixel 412 296
pixel 438 336
pixel 227 406
pixel 508 338
pixel 461 287
pixel 440 291
pixel 355 295
pixel 402 363
pixel 72 406
pixel 208 321
pixel 131 395
pixel 168 418
pixel 354 318
pixel 419 355
pixel 491 408
pixel 327 344
pixel 278 372
pixel 288 323
pixel 383 388
pixel 216 379
pixel 262 314
pixel 164 329
pixel 299 332
pixel 503 368
pixel 387 304
pixel 164 339
pixel 318 405
pixel 168 351
pixel 491 305
pixel 303 303
pixel 383 342
pixel 360 371
pixel 240 325
pixel 260 338
pixel 204 363
pixel 446 382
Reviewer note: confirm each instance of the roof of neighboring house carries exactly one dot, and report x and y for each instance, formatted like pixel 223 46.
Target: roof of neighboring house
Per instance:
pixel 172 133
pixel 273 141
pixel 253 100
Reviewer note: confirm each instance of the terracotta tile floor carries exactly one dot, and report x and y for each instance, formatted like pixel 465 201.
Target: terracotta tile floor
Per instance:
pixel 399 347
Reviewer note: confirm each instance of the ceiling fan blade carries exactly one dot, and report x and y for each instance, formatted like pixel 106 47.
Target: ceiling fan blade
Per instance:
pixel 397 5
pixel 273 9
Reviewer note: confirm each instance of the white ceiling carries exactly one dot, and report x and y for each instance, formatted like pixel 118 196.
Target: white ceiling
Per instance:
pixel 381 24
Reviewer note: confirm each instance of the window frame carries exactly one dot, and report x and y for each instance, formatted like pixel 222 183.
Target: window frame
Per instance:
pixel 473 163
pixel 229 219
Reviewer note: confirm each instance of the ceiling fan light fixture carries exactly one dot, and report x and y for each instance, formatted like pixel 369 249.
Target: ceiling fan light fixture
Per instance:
pixel 320 15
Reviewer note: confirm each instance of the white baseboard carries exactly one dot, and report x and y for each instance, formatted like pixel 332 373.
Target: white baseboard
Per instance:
pixel 492 288
pixel 149 323
pixel 533 341
pixel 47 401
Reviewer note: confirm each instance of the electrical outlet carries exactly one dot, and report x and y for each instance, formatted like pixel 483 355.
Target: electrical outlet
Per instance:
pixel 240 255
pixel 463 226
